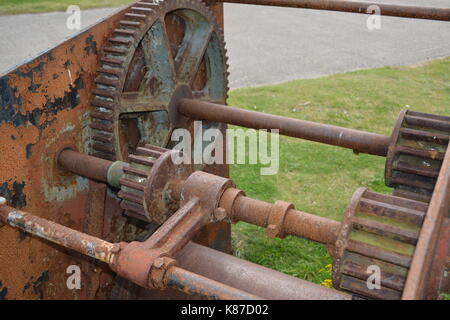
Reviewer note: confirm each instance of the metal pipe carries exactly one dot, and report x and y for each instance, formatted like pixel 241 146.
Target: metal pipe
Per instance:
pixel 310 226
pixel 250 277
pixel 107 252
pixel 296 223
pixel 359 141
pixel 84 165
pixel 392 10
pixel 59 234
pixel 194 284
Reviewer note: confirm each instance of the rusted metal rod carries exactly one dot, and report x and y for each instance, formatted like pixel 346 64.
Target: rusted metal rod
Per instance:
pixel 289 221
pixel 59 234
pixel 194 284
pixel 258 280
pixel 91 167
pixel 359 141
pixel 392 10
pixel 84 165
pixel 109 253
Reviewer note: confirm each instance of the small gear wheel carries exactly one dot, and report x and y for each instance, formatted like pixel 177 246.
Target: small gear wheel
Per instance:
pixel 162 51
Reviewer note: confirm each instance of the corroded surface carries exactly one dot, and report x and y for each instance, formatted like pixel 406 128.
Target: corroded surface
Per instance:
pixel 44 107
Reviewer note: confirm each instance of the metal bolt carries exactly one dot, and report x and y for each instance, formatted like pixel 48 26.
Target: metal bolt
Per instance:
pixel 272 231
pixel 220 214
pixel 159 263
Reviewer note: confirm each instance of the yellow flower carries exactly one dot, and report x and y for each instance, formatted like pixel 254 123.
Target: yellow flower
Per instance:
pixel 327 283
pixel 327 268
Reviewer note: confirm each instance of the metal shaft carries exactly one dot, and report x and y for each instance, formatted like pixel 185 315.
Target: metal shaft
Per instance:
pixel 59 234
pixel 194 284
pixel 84 165
pixel 251 277
pixel 296 223
pixel 359 141
pixel 415 12
pixel 107 252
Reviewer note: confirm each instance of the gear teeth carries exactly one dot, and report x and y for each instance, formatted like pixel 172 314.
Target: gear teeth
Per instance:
pixel 135 179
pixel 103 138
pixel 126 32
pixel 142 10
pixel 111 72
pixel 416 153
pixel 112 61
pixel 115 61
pixel 379 230
pixel 136 16
pixel 107 81
pixel 129 23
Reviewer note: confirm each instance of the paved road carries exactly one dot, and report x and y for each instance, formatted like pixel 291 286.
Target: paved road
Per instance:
pixel 270 45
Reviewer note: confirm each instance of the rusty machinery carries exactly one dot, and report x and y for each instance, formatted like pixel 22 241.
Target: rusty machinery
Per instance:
pixel 87 170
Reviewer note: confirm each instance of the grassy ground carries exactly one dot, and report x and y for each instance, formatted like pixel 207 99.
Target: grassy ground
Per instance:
pixel 35 6
pixel 318 178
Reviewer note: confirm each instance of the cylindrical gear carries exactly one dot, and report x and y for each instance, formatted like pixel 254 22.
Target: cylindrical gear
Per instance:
pixel 416 152
pixel 376 243
pixel 159 48
pixel 135 178
pixel 151 185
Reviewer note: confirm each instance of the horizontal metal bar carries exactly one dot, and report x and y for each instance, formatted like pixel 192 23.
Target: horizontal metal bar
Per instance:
pixel 415 12
pixel 107 252
pixel 251 277
pixel 359 141
pixel 296 223
pixel 194 284
pixel 59 234
pixel 84 165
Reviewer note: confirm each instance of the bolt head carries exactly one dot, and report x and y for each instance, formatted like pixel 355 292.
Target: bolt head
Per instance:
pixel 272 231
pixel 159 263
pixel 220 214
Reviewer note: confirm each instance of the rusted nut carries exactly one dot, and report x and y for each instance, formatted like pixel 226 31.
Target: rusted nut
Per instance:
pixel 134 262
pixel 206 187
pixel 115 173
pixel 275 223
pixel 220 214
pixel 228 199
pixel 158 272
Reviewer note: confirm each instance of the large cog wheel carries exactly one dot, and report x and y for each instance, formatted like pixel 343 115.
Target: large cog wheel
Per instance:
pixel 162 50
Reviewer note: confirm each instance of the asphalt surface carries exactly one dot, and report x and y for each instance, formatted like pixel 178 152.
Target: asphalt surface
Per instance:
pixel 268 44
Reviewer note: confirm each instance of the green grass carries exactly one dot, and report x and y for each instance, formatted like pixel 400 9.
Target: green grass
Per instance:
pixel 36 6
pixel 318 178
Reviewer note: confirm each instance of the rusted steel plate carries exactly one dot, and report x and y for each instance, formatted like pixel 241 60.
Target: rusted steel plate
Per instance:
pixel 44 107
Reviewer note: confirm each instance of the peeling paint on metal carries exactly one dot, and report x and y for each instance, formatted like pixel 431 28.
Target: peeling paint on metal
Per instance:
pixel 91 45
pixel 66 191
pixel 15 194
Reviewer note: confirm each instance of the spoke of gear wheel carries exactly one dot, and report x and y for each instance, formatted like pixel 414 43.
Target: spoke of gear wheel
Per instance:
pixel 157 48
